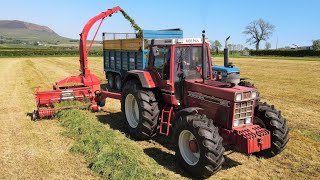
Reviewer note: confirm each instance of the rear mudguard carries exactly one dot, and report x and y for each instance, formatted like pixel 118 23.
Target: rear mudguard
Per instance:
pixel 144 77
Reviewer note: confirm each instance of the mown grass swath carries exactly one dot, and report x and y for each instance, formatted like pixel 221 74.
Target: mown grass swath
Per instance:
pixel 108 152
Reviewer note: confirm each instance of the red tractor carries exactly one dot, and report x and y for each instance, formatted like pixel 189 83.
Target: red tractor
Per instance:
pixel 165 85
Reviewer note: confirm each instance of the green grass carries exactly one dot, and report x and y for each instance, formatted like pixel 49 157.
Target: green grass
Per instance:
pixel 108 152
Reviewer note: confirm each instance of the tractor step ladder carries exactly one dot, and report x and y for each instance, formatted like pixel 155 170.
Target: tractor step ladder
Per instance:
pixel 166 123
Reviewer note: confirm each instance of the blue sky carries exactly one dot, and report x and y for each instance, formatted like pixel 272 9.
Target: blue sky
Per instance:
pixel 296 21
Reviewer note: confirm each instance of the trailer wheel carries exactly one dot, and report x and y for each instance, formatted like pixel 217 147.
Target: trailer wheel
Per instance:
pixel 118 82
pixel 141 110
pixel 270 118
pixel 198 145
pixel 110 78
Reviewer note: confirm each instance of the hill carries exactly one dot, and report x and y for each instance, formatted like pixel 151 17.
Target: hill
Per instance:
pixel 20 31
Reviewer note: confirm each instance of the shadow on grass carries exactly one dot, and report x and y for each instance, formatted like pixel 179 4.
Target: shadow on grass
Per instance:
pixel 114 120
pixel 169 161
pixel 117 122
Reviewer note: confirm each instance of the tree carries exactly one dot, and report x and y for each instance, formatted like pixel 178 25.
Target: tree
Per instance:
pixel 268 45
pixel 316 45
pixel 217 44
pixel 258 30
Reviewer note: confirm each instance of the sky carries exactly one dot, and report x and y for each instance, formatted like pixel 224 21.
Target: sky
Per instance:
pixel 296 21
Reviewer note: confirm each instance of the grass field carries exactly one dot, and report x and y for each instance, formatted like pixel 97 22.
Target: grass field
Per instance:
pixel 40 150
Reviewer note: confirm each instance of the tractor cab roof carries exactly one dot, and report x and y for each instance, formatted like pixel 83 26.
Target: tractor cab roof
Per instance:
pixel 177 41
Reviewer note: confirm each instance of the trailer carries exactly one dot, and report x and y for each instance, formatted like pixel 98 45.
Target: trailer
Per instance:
pixel 123 52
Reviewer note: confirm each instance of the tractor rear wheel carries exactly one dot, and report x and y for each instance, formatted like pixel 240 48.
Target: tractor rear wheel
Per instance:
pixel 141 110
pixel 110 78
pixel 271 119
pixel 198 145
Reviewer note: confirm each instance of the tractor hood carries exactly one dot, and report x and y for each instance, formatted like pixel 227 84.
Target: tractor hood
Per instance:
pixel 215 88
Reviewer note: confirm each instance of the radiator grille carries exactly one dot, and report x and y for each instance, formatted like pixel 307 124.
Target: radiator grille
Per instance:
pixel 243 110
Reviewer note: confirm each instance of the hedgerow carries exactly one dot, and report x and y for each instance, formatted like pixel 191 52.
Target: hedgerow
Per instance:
pixel 284 53
pixel 44 52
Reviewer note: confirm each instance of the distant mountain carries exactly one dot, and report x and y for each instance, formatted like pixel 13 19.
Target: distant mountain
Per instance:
pixel 15 24
pixel 24 31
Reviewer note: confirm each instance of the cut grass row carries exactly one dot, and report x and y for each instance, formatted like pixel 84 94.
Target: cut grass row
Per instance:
pixel 109 153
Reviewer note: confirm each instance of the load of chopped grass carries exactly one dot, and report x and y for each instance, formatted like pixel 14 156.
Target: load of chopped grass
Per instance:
pixel 108 152
pixel 133 24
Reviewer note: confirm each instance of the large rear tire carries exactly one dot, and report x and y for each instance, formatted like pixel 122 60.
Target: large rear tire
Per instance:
pixel 198 145
pixel 141 110
pixel 270 118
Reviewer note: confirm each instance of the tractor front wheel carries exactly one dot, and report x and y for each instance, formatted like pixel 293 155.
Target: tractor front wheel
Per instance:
pixel 198 145
pixel 141 110
pixel 271 119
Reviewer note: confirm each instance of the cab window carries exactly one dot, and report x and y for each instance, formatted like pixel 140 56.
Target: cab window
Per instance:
pixel 162 62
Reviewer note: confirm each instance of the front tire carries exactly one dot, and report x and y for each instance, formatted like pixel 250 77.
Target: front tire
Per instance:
pixel 198 145
pixel 270 118
pixel 141 110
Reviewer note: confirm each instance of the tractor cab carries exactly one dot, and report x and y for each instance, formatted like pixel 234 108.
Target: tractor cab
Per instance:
pixel 176 60
pixel 181 67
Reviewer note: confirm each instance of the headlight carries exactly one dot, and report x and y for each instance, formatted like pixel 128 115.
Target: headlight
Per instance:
pixel 239 97
pixel 236 123
pixel 253 94
pixel 247 120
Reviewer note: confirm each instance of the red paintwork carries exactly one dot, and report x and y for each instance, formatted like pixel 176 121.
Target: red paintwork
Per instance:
pixel 168 123
pixel 193 145
pixel 216 89
pixel 83 85
pixel 83 38
pixel 46 113
pixel 54 96
pixel 145 77
pixel 106 94
pixel 222 115
pixel 247 139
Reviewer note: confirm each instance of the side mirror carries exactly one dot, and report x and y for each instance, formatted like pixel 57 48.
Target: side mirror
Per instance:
pixel 155 50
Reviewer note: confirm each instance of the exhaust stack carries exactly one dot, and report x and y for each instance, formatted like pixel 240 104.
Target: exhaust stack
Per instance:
pixel 203 55
pixel 226 53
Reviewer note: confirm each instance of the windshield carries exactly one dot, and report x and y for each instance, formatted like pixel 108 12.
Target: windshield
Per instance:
pixel 189 61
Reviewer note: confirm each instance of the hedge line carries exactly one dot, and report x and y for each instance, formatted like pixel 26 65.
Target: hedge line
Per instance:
pixel 288 53
pixel 28 52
